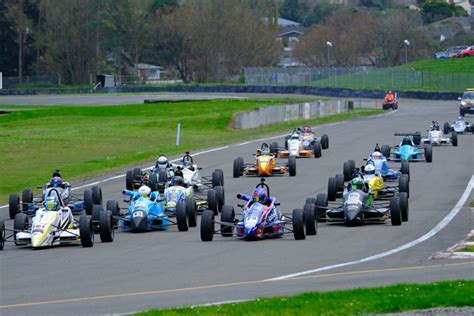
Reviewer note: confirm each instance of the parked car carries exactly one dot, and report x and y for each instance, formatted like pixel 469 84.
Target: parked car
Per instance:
pixel 468 52
pixel 450 52
pixel 467 102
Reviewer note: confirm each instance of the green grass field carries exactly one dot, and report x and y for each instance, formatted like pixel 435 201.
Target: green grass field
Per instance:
pixel 391 299
pixel 83 141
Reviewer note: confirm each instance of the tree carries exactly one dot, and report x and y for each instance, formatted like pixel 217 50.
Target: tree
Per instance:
pixel 320 11
pixel 291 10
pixel 436 10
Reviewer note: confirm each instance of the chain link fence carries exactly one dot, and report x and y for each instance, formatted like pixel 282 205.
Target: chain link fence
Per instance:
pixel 402 78
pixel 42 80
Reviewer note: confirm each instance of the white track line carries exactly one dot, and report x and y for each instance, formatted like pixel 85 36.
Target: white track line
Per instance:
pixel 200 153
pixel 444 222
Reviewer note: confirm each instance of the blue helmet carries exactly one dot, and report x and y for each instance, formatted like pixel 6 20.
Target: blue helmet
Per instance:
pixel 56 181
pixel 259 195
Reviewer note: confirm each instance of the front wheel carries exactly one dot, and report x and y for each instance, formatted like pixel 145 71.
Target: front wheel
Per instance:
pixel 191 211
pixel 310 220
pixel 26 199
pixel 325 141
pixel 298 224
pixel 403 184
pixel 86 231
pixel 404 206
pixel 227 216
pixel 446 128
pixel 395 213
pixel 428 153
pixel 332 189
pixel 238 162
pixel 292 165
pixel 405 168
pixel 207 225
pixel 454 139
pixel 106 226
pixel 317 150
pixel 181 217
pixel 212 202
pixel 217 178
pixel 13 205
pixel 2 235
pixel 129 180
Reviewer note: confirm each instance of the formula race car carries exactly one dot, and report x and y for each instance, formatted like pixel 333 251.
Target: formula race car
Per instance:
pixel 261 218
pixel 409 149
pixel 459 126
pixel 146 212
pixel 436 138
pixel 265 165
pixel 164 171
pixel 29 203
pixel 381 165
pixel 358 207
pixel 301 143
pixel 54 224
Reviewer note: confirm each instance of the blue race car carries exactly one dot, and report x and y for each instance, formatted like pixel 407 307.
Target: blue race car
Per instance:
pixel 261 218
pixel 409 149
pixel 379 161
pixel 146 212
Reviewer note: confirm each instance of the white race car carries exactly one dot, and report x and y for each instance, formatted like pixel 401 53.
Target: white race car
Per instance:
pixel 459 126
pixel 436 137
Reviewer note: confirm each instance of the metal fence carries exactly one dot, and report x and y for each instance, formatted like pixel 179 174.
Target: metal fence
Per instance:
pixel 403 78
pixel 43 80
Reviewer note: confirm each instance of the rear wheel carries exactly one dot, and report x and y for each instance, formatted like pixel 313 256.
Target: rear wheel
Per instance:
pixel 181 217
pixel 353 166
pixel 404 206
pixel 137 174
pixel 310 220
pixel 88 202
pixel 395 213
pixel 106 226
pixel 298 224
pixel 97 210
pixel 339 181
pixel 129 180
pixel 227 216
pixel 114 207
pixel 238 163
pixel 212 202
pixel 454 139
pixel 86 231
pixel 317 150
pixel 26 199
pixel 404 184
pixel 13 205
pixel 417 138
pixel 207 225
pixel 292 166
pixel 217 178
pixel 274 148
pixel 220 197
pixel 310 200
pixel 385 150
pixel 347 172
pixel 96 195
pixel 191 211
pixel 325 141
pixel 428 153
pixel 332 189
pixel 321 204
pixel 446 128
pixel 286 141
pixel 162 176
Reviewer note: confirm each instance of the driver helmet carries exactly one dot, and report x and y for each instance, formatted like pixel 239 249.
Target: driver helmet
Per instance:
pixel 51 204
pixel 177 180
pixel 264 149
pixel 162 161
pixel 144 191
pixel 376 155
pixel 307 129
pixel 187 163
pixel 369 169
pixel 56 181
pixel 295 136
pixel 357 183
pixel 406 141
pixel 460 118
pixel 377 148
pixel 390 91
pixel 259 195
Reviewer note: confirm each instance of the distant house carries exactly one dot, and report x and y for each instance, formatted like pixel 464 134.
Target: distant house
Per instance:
pixel 148 73
pixel 465 4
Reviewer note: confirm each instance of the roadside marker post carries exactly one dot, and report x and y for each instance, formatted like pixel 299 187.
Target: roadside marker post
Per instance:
pixel 178 134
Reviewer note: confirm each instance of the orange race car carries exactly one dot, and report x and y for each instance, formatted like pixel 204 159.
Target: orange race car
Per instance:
pixel 302 143
pixel 265 165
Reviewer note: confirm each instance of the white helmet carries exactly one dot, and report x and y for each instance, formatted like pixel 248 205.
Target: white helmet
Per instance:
pixel 369 169
pixel 376 155
pixel 162 160
pixel 144 191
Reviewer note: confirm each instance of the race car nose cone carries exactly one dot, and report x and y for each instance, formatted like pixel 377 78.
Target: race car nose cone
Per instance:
pixel 352 214
pixel 36 240
pixel 139 222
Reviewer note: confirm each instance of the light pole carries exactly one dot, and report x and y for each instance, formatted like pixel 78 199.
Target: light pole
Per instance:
pixel 329 44
pixel 407 43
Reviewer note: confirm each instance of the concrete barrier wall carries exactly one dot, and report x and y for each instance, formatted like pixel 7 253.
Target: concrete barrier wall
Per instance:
pixel 291 112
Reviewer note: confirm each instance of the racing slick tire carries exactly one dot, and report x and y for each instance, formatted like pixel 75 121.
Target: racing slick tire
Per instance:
pixel 191 211
pixel 340 181
pixel 106 226
pixel 181 217
pixel 20 223
pixel 385 150
pixel 86 231
pixel 238 164
pixel 446 128
pixel 428 153
pixel 325 141
pixel 310 200
pixel 97 210
pixel 298 224
pixel 153 181
pixel 26 199
pixel 217 178
pixel 207 225
pixel 332 189
pixel 292 166
pixel 136 173
pixel 2 235
pixel 404 184
pixel 129 180
pixel 404 206
pixel 417 138
pixel 274 148
pixel 13 205
pixel 88 202
pixel 227 216
pixel 405 168
pixel 162 176
pixel 220 194
pixel 113 206
pixel 395 213
pixel 96 195
pixel 352 163
pixel 286 141
pixel 310 220
pixel 321 204
pixel 346 170
pixel 317 151
pixel 212 201
pixel 454 139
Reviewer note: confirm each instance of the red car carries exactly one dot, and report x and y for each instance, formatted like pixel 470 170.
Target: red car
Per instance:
pixel 468 52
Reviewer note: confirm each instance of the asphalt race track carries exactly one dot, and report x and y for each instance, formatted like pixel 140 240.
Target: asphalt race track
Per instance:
pixel 171 268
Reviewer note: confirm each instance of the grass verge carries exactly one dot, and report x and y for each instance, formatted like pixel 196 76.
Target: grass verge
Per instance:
pixel 466 249
pixel 391 299
pixel 85 141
